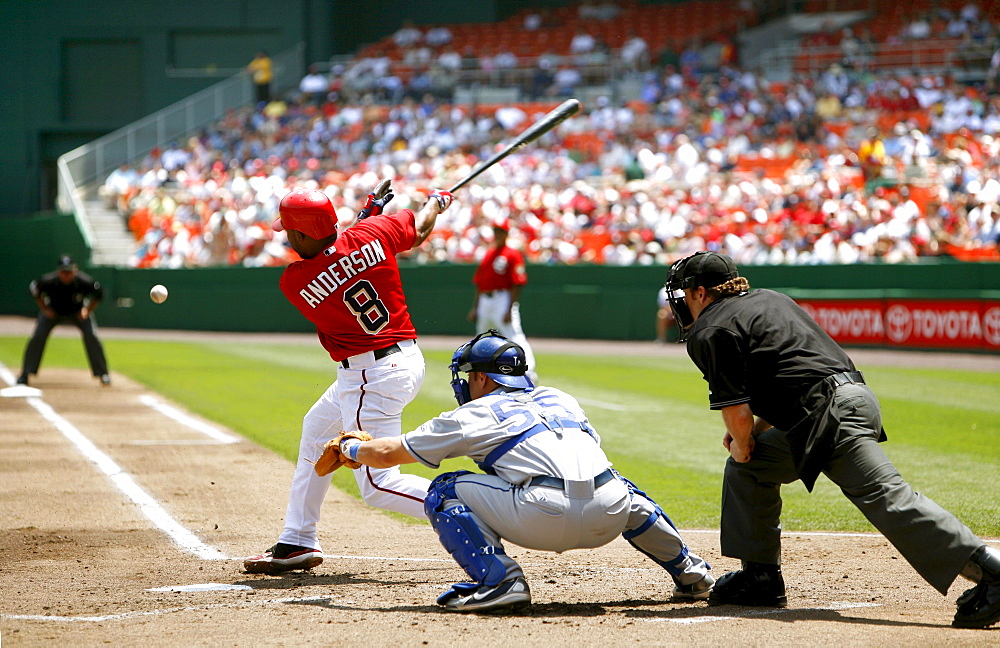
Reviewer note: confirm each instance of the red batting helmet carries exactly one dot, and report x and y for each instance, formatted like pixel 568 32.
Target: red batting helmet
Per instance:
pixel 308 211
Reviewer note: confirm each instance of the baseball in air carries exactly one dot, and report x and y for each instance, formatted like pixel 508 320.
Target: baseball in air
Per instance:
pixel 158 293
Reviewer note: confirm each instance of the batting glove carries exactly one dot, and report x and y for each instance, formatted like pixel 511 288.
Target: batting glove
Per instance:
pixel 443 197
pixel 377 200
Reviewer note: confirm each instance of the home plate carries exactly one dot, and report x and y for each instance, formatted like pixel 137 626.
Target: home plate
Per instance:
pixel 200 587
pixel 20 391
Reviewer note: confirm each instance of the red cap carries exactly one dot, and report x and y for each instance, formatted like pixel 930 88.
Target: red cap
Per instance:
pixel 308 211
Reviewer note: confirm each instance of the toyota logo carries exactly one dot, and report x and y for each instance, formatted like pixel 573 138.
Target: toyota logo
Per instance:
pixel 898 323
pixel 991 326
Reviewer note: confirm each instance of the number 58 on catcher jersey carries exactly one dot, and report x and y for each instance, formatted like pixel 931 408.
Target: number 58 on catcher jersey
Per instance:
pixel 516 436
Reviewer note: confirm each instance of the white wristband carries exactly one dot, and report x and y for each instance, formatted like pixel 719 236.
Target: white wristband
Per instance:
pixel 349 448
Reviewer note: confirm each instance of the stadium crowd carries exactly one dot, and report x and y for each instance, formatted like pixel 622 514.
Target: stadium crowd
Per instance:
pixel 847 165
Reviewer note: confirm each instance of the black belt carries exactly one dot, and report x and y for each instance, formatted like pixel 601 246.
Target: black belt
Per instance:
pixel 378 353
pixel 847 377
pixel 490 293
pixel 556 482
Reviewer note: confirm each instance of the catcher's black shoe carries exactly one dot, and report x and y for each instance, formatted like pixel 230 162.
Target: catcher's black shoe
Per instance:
pixel 282 558
pixel 979 607
pixel 508 594
pixel 755 584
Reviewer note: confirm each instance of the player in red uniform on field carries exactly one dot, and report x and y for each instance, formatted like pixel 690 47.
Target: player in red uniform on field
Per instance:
pixel 348 285
pixel 498 281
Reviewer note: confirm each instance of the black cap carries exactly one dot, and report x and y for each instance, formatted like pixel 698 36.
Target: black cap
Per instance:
pixel 707 269
pixel 66 262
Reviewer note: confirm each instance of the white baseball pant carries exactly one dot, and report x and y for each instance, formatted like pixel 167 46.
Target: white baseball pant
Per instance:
pixel 368 396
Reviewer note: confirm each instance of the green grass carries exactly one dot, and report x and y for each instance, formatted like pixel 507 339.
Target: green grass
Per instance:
pixel 651 413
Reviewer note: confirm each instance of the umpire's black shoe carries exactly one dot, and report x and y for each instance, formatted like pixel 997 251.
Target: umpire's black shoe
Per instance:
pixel 979 607
pixel 22 379
pixel 755 584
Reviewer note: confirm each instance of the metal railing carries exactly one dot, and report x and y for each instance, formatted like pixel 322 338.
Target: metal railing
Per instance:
pixel 929 55
pixel 82 168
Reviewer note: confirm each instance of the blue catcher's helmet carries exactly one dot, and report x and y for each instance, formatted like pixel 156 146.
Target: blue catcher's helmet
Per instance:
pixel 494 355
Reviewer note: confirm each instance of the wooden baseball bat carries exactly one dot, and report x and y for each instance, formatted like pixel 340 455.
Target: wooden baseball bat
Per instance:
pixel 561 113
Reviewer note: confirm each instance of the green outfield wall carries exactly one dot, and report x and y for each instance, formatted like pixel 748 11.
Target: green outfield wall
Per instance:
pixel 582 301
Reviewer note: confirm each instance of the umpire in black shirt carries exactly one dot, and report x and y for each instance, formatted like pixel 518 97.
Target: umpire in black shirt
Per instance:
pixel 795 406
pixel 66 295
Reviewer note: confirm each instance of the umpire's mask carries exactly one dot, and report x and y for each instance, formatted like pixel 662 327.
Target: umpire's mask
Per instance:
pixel 707 269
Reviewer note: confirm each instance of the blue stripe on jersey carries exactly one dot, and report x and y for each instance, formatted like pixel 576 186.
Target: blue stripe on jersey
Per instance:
pixel 526 424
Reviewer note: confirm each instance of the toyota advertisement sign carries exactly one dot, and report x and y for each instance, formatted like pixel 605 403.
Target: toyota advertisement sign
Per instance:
pixel 958 324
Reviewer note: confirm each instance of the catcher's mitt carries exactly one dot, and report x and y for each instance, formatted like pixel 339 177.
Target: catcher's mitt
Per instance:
pixel 332 458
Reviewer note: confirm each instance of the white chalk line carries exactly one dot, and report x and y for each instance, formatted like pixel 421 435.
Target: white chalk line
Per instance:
pixel 187 420
pixel 125 483
pixel 143 613
pixel 201 587
pixel 384 558
pixel 171 442
pixel 604 405
pixel 7 374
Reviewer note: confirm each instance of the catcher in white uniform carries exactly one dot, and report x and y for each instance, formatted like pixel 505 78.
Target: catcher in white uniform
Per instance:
pixel 548 485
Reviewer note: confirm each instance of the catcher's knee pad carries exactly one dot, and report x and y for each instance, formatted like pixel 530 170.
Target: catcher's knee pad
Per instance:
pixel 654 515
pixel 674 566
pixel 440 489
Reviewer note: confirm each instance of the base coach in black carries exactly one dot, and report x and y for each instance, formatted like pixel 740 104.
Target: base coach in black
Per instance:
pixel 66 295
pixel 794 406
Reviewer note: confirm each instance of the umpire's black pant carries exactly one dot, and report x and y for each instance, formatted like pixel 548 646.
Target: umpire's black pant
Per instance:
pixel 930 538
pixel 43 327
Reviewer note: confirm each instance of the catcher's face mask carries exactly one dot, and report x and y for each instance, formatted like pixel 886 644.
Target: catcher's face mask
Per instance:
pixel 458 384
pixel 494 355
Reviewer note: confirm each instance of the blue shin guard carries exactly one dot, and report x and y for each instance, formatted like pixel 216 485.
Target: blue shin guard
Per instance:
pixel 461 536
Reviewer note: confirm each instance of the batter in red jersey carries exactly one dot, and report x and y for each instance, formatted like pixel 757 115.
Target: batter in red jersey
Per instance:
pixel 498 283
pixel 348 286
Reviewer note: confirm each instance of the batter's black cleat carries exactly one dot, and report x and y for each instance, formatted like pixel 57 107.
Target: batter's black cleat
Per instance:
pixel 22 379
pixel 283 558
pixel 756 584
pixel 979 607
pixel 508 594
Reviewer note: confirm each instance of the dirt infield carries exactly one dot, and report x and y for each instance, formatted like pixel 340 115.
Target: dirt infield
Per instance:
pixel 105 499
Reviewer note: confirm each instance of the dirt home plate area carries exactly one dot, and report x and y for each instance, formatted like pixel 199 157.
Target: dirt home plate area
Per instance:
pixel 125 520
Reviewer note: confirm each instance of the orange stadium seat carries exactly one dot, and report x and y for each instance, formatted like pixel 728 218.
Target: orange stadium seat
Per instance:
pixel 774 168
pixel 590 144
pixel 657 24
